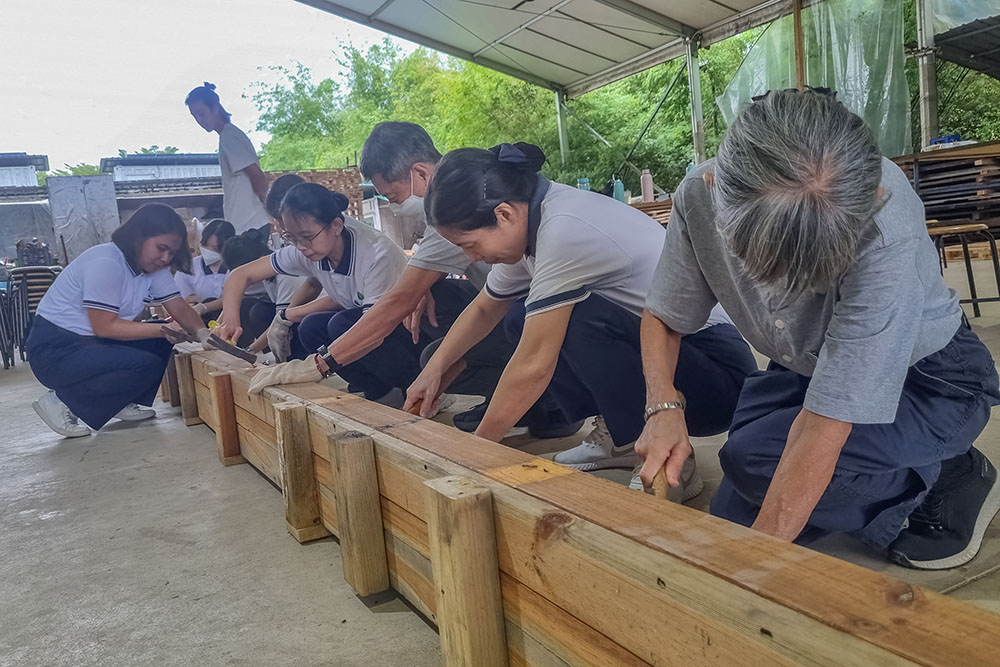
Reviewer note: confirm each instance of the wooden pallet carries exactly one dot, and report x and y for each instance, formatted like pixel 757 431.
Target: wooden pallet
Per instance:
pixel 522 561
pixel 346 181
pixel 977 252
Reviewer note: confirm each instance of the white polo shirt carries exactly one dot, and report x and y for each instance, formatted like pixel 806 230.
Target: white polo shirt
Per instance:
pixel 582 243
pixel 280 289
pixel 436 253
pixel 202 281
pixel 102 279
pixel 369 267
pixel 241 205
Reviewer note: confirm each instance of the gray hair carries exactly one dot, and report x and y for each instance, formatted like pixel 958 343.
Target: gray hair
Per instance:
pixel 392 149
pixel 796 182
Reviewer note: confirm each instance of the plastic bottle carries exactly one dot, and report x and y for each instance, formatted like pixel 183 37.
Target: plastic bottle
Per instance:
pixel 646 181
pixel 618 190
pixel 583 183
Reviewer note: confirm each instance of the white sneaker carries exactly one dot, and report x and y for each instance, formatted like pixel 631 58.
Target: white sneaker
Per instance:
pixel 135 413
pixel 598 451
pixel 691 482
pixel 57 416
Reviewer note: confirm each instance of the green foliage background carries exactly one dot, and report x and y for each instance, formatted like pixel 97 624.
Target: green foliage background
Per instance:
pixel 322 124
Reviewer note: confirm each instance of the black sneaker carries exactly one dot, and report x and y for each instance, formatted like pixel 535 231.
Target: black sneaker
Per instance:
pixel 542 426
pixel 947 529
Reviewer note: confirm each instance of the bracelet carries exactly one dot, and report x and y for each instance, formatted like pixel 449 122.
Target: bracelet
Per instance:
pixel 660 407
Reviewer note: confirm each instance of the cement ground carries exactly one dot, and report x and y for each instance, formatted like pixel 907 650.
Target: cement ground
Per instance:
pixel 134 547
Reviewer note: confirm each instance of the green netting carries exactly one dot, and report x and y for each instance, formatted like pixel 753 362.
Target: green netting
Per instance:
pixel 852 46
pixel 948 14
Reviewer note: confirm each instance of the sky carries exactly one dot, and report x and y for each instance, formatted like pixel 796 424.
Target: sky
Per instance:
pixel 80 79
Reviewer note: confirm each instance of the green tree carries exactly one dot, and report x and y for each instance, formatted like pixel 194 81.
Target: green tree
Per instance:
pixel 149 150
pixel 79 169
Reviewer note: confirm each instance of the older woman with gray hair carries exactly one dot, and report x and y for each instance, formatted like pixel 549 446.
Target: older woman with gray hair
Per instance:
pixel 865 418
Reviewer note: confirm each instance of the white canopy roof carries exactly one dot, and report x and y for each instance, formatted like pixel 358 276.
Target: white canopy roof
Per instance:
pixel 570 45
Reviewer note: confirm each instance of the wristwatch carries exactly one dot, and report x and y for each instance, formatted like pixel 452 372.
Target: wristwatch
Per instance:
pixel 332 366
pixel 281 316
pixel 660 407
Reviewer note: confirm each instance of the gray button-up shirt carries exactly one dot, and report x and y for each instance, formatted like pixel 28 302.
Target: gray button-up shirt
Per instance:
pixel 856 340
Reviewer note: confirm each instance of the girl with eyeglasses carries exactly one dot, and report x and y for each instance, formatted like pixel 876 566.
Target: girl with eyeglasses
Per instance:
pixel 355 265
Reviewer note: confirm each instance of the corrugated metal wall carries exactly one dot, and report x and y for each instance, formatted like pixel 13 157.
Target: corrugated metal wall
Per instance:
pixel 18 177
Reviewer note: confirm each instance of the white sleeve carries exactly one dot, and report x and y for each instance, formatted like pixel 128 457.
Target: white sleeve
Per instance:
pixel 388 262
pixel 508 281
pixel 162 287
pixel 102 285
pixel 283 289
pixel 238 149
pixel 572 257
pixel 288 261
pixel 184 284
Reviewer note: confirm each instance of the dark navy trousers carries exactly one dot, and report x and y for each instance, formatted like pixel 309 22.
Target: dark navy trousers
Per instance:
pixel 599 371
pixel 96 377
pixel 884 470
pixel 394 363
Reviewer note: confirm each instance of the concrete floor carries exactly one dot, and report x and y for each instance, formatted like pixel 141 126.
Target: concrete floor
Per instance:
pixel 135 547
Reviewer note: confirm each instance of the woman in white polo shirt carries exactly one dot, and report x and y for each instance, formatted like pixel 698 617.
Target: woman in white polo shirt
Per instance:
pixel 584 262
pixel 244 186
pixel 355 265
pixel 202 286
pixel 85 345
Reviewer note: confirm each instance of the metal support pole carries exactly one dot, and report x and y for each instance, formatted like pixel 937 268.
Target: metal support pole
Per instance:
pixel 927 75
pixel 563 131
pixel 800 47
pixel 697 116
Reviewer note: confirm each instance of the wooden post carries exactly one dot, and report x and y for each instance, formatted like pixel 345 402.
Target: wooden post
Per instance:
pixel 185 384
pixel 800 49
pixel 463 550
pixel 173 392
pixel 359 513
pixel 295 468
pixel 227 437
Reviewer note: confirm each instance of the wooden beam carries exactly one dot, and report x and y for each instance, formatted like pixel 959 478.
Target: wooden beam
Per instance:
pixel 227 437
pixel 359 514
pixel 185 383
pixel 800 49
pixel 173 392
pixel 463 550
pixel 298 478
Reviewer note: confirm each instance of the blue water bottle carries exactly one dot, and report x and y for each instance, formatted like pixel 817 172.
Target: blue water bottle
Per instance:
pixel 583 183
pixel 618 190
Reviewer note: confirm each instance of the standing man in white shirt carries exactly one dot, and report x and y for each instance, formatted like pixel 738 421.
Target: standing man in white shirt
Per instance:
pixel 244 185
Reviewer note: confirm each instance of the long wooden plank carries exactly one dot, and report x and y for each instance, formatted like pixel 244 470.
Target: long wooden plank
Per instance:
pixel 206 406
pixel 258 427
pixel 683 578
pixel 261 455
pixel 863 604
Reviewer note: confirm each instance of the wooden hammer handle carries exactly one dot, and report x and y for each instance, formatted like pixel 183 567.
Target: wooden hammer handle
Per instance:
pixel 660 485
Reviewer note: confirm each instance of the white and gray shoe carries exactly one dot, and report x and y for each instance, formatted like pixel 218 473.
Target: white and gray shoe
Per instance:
pixel 598 451
pixel 134 412
pixel 691 482
pixel 58 417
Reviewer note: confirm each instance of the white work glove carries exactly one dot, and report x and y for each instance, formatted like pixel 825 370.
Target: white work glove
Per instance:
pixel 200 308
pixel 203 335
pixel 279 336
pixel 291 372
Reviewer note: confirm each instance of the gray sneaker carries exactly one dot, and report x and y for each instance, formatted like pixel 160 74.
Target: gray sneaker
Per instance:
pixel 598 451
pixel 691 482
pixel 58 417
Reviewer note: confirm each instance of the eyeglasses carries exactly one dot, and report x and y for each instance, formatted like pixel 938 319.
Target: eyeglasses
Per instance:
pixel 819 90
pixel 301 243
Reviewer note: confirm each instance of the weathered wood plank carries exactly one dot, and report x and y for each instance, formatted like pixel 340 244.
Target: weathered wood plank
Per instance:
pixel 359 515
pixel 298 479
pixel 261 455
pixel 185 382
pixel 227 437
pixel 206 406
pixel 466 575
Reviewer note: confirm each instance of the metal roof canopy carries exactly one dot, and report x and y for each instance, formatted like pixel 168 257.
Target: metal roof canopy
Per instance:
pixel 570 46
pixel 974 45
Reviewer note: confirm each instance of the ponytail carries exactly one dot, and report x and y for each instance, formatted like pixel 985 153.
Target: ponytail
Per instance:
pixel 314 200
pixel 205 94
pixel 470 183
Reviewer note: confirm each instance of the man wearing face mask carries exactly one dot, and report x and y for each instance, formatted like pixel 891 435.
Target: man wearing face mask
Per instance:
pixel 399 159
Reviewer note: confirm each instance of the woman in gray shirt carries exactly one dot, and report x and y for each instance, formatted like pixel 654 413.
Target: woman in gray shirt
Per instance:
pixel 817 248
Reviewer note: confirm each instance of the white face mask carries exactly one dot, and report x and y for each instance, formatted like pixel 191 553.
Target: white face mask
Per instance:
pixel 412 206
pixel 210 256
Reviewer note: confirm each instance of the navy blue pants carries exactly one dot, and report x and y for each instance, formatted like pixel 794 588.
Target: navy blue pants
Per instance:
pixel 256 315
pixel 599 371
pixel 394 363
pixel 96 377
pixel 884 470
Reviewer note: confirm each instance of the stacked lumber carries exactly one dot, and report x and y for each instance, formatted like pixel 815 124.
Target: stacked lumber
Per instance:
pixel 525 562
pixel 657 210
pixel 957 185
pixel 346 180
